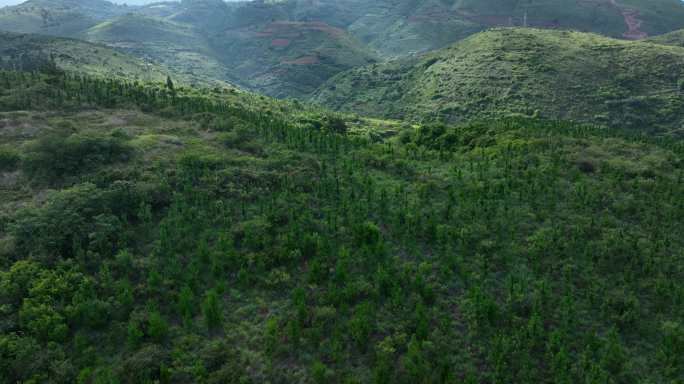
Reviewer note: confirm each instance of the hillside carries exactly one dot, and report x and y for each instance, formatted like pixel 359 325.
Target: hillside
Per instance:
pixel 398 28
pixel 503 72
pixel 286 59
pixel 675 38
pixel 179 46
pixel 217 237
pixel 31 52
pixel 56 17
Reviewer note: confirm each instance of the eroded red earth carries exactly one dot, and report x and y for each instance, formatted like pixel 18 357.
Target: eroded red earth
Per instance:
pixel 440 15
pixel 632 21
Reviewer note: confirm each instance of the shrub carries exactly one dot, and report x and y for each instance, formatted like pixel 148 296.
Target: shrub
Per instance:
pixel 9 160
pixel 211 310
pixel 157 327
pixel 83 216
pixel 336 125
pixel 671 351
pixel 319 372
pixel 361 326
pixel 56 156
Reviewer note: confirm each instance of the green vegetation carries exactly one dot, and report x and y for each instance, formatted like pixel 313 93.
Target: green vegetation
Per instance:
pixel 219 237
pixel 289 58
pixel 675 38
pixel 206 42
pixel 178 46
pixel 289 48
pixel 530 72
pixel 34 52
pixel 396 28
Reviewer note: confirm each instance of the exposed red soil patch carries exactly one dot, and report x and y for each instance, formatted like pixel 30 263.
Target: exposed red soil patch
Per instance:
pixel 304 60
pixel 632 21
pixel 294 29
pixel 435 15
pixel 444 15
pixel 280 43
pixel 509 21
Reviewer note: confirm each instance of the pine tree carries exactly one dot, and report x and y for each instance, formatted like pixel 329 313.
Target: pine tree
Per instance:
pixel 169 84
pixel 211 309
pixel 185 305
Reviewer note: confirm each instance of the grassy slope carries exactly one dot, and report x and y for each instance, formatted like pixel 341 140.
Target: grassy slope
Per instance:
pixel 227 247
pixel 17 50
pixel 56 17
pixel 500 72
pixel 175 45
pixel 32 21
pixel 675 38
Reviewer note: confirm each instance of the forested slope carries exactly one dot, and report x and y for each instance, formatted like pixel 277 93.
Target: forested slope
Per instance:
pixel 151 234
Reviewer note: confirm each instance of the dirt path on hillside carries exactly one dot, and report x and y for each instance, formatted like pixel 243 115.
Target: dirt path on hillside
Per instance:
pixel 632 21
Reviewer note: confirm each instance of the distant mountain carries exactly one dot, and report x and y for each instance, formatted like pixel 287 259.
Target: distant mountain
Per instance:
pixel 288 48
pixel 506 71
pixel 400 27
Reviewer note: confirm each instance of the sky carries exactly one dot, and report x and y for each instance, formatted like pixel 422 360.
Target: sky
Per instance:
pixel 136 2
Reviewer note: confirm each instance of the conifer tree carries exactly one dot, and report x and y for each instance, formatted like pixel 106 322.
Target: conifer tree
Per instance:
pixel 211 310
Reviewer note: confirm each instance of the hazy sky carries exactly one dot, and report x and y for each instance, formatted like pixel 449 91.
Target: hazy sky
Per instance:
pixel 138 2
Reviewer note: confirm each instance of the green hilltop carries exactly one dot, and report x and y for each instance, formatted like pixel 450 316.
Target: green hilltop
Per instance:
pixel 34 52
pixel 531 72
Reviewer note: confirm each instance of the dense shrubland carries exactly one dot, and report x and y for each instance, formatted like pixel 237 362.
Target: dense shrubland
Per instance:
pixel 270 248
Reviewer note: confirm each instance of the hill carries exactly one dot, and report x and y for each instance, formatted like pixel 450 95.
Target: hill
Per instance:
pixel 179 46
pixel 34 52
pixel 508 71
pixel 675 38
pixel 56 17
pixel 398 28
pixel 218 237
